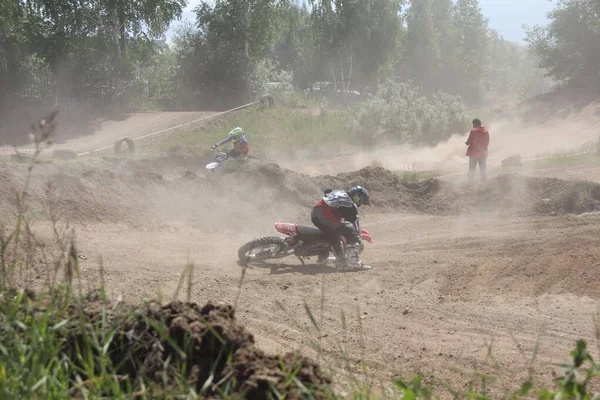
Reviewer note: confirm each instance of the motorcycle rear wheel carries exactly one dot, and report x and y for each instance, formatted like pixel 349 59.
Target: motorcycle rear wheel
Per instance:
pixel 262 249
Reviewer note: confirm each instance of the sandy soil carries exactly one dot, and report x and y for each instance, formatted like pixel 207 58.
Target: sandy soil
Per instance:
pixel 451 294
pixel 132 126
pixel 104 132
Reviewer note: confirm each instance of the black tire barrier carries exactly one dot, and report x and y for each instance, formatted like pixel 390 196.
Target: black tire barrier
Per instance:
pixel 119 145
pixel 64 154
pixel 267 100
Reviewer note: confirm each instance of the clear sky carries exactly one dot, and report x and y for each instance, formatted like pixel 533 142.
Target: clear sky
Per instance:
pixel 505 16
pixel 508 16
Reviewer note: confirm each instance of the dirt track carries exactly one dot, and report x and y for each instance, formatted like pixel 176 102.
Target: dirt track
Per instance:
pixel 103 132
pixel 462 281
pixel 447 282
pixel 441 288
pixel 132 126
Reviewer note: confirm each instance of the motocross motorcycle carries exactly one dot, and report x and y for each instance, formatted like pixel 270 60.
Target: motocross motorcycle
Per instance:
pixel 300 241
pixel 220 158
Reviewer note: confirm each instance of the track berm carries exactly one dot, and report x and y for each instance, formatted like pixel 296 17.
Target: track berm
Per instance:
pixel 118 190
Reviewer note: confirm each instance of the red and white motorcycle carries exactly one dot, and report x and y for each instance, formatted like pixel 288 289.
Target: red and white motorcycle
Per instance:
pixel 300 241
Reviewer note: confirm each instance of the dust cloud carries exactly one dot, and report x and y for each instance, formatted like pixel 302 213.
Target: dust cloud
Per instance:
pixel 525 130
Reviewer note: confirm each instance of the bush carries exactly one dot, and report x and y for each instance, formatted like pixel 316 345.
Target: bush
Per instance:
pixel 266 78
pixel 398 112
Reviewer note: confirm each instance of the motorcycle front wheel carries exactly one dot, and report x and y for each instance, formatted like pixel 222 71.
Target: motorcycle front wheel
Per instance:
pixel 262 249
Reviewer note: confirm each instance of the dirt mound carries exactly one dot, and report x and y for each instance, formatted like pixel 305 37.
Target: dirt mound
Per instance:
pixel 389 192
pixel 251 167
pixel 532 195
pixel 242 190
pixel 560 103
pixel 92 195
pixel 521 194
pixel 203 345
pixel 96 196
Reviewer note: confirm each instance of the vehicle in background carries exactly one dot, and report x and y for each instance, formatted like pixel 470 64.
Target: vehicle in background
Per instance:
pixel 275 88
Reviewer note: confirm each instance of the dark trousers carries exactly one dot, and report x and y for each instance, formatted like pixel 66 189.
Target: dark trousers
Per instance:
pixel 473 161
pixel 333 237
pixel 334 232
pixel 233 153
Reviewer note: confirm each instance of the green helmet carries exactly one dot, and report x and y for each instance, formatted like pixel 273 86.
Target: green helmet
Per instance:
pixel 236 134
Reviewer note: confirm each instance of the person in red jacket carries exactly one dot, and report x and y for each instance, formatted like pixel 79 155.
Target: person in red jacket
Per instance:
pixel 478 142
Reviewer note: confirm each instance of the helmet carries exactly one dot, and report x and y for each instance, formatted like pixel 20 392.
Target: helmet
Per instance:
pixel 236 133
pixel 359 195
pixel 337 198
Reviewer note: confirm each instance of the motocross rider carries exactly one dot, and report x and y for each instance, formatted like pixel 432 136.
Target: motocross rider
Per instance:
pixel 240 143
pixel 336 215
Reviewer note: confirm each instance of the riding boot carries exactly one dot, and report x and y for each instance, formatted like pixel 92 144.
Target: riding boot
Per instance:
pixel 338 250
pixel 352 257
pixel 340 260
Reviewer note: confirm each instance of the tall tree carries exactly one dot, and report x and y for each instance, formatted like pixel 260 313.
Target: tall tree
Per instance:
pixel 12 41
pixel 330 28
pixel 379 37
pixel 86 42
pixel 355 38
pixel 296 50
pixel 471 29
pixel 422 52
pixel 237 34
pixel 446 76
pixel 569 47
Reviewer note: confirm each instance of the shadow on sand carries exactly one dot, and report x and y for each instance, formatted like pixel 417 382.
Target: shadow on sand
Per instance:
pixel 307 269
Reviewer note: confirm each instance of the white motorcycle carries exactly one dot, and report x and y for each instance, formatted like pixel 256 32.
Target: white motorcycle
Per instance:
pixel 220 158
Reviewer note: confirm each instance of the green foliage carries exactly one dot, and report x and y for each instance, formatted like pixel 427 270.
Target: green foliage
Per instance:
pixel 295 51
pixel 471 35
pixel 516 73
pixel 13 37
pixel 447 72
pixel 266 78
pixel 577 377
pixel 414 389
pixel 106 53
pixel 401 114
pixel 413 175
pixel 448 47
pixel 354 38
pixel 91 48
pixel 235 37
pixel 154 82
pixel 271 129
pixel 422 52
pixel 569 46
